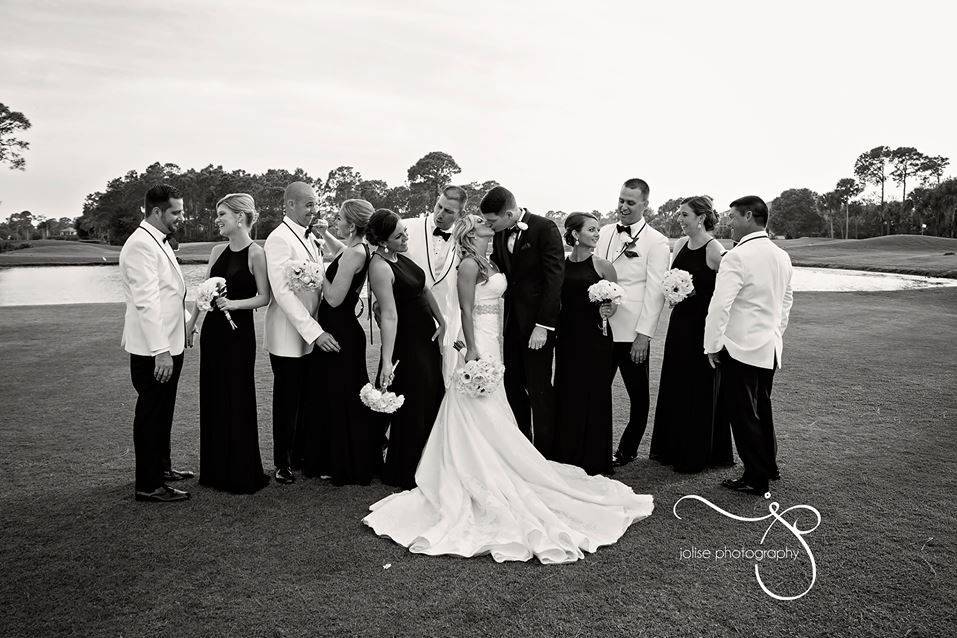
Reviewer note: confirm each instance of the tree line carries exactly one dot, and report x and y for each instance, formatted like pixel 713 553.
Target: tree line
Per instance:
pixel 927 204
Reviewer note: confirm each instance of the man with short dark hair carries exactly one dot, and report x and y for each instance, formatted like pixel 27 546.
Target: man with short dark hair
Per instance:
pixel 743 338
pixel 640 255
pixel 528 249
pixel 154 333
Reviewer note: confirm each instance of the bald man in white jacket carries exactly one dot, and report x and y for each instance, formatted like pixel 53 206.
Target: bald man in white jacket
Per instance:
pixel 292 330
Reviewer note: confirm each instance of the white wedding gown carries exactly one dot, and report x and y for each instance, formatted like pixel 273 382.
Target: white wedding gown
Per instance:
pixel 483 488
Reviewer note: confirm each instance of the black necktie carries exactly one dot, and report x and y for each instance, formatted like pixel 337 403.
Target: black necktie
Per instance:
pixel 624 229
pixel 438 232
pixel 171 240
pixel 308 230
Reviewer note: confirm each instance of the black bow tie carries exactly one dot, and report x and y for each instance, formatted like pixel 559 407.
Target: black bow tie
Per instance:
pixel 171 240
pixel 624 229
pixel 438 232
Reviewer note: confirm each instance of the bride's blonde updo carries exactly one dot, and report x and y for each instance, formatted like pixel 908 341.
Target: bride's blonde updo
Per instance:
pixel 241 204
pixel 464 234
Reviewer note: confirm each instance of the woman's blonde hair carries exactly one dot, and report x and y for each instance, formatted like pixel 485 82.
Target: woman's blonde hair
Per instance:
pixel 357 212
pixel 464 234
pixel 241 204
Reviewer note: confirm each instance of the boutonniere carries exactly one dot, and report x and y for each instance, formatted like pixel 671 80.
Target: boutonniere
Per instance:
pixel 521 226
pixel 629 249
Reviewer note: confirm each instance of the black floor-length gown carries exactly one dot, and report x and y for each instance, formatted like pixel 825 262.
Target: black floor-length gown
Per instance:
pixel 418 376
pixel 687 434
pixel 584 370
pixel 341 447
pixel 229 455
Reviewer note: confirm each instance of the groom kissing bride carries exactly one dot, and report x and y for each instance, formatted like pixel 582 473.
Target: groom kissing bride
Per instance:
pixel 482 487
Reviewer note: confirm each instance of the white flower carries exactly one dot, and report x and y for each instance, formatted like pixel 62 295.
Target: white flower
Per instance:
pixel 522 226
pixel 604 291
pixel 677 286
pixel 479 378
pixel 378 401
pixel 207 291
pixel 303 275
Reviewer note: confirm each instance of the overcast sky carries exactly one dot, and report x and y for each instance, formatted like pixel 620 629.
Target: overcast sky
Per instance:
pixel 560 101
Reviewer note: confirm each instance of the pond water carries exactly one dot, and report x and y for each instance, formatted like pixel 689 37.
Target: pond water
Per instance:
pixel 47 285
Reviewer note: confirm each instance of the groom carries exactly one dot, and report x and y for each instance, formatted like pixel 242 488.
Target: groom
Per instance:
pixel 432 249
pixel 743 338
pixel 154 333
pixel 528 249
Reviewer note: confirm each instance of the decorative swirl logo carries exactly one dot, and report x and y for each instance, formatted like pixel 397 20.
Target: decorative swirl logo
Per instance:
pixel 773 514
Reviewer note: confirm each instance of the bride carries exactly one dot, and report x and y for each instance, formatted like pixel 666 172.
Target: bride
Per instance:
pixel 482 487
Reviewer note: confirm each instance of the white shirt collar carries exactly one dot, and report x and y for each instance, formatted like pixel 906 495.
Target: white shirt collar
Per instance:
pixel 757 233
pixel 153 230
pixel 295 226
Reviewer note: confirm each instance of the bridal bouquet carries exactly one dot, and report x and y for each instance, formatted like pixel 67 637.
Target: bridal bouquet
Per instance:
pixel 605 291
pixel 207 293
pixel 479 378
pixel 303 275
pixel 677 286
pixel 379 401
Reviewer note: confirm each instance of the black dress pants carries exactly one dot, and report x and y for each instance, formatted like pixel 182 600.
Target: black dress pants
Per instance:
pixel 152 420
pixel 289 395
pixel 745 397
pixel 635 378
pixel 529 389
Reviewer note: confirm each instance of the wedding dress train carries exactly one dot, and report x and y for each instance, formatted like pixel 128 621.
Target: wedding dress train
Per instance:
pixel 483 488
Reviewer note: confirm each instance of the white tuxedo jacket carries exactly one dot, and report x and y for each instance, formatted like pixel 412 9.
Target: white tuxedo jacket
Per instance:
pixel 752 300
pixel 439 259
pixel 291 326
pixel 640 277
pixel 155 294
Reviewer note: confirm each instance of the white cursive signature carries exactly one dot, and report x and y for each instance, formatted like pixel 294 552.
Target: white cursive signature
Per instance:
pixel 794 529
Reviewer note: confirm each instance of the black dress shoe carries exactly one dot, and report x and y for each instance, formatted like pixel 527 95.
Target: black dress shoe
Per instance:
pixel 164 494
pixel 621 460
pixel 284 476
pixel 741 485
pixel 177 475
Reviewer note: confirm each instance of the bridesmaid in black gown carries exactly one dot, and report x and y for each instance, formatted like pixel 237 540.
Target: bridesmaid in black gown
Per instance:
pixel 687 434
pixel 584 357
pixel 412 328
pixel 228 431
pixel 341 449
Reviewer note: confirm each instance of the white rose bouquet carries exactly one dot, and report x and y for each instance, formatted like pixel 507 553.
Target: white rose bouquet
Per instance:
pixel 207 293
pixel 380 401
pixel 303 275
pixel 677 286
pixel 602 292
pixel 479 377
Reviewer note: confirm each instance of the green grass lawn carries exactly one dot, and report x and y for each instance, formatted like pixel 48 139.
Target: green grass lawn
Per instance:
pixel 913 254
pixel 865 413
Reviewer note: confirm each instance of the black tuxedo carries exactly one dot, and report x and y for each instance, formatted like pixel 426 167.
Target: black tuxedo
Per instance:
pixel 534 269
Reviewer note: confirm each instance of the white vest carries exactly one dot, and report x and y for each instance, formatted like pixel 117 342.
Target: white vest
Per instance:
pixel 291 326
pixel 155 294
pixel 639 275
